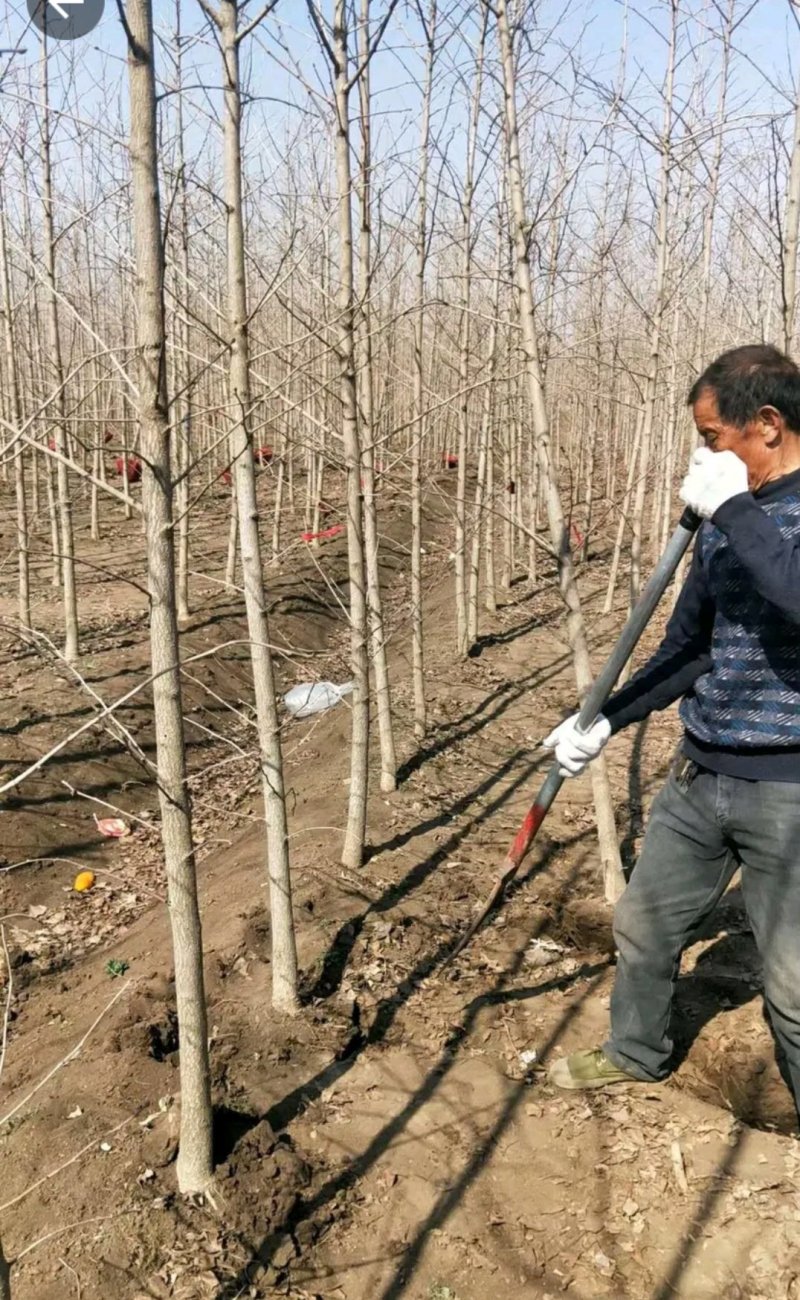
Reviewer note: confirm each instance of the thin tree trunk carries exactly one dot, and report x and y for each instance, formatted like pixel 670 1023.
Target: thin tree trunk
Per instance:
pixel 65 539
pixel 708 233
pixel 491 582
pixel 195 1154
pixel 383 699
pixel 713 190
pixel 462 609
pixel 485 438
pixel 184 424
pixel 659 306
pixel 284 953
pixel 791 222
pixel 624 512
pixel 559 535
pixel 24 588
pixel 671 434
pixel 233 523
pixel 353 849
pixel 419 426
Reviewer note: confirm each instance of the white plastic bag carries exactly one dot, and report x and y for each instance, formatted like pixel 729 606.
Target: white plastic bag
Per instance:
pixel 314 697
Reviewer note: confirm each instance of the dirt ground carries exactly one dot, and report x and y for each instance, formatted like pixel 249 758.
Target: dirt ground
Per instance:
pixel 396 1138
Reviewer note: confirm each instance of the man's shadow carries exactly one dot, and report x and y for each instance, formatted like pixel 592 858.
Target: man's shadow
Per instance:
pixel 726 976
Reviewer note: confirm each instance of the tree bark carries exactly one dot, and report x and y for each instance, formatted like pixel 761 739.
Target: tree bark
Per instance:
pixel 419 427
pixel 184 424
pixel 559 533
pixel 195 1153
pixel 355 833
pixel 482 520
pixel 383 698
pixel 464 332
pixel 65 535
pixel 20 489
pixel 659 307
pixel 791 225
pixel 284 953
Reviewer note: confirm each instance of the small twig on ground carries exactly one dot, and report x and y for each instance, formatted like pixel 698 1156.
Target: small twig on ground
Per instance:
pixel 65 1060
pixel 53 1173
pixel 679 1167
pixel 74 1273
pixel 92 798
pixel 51 655
pixel 9 994
pixel 68 1227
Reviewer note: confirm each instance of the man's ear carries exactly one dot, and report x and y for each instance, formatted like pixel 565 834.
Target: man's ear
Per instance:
pixel 772 424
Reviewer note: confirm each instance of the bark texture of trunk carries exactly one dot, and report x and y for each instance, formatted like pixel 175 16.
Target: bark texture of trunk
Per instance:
pixel 284 953
pixel 194 1167
pixel 559 534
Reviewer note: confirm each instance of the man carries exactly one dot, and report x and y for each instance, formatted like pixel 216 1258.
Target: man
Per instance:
pixel 732 800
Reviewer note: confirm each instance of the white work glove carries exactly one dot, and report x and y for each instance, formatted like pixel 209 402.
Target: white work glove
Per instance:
pixel 573 748
pixel 714 477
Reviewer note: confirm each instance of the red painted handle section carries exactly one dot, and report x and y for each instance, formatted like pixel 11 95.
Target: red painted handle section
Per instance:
pixel 526 833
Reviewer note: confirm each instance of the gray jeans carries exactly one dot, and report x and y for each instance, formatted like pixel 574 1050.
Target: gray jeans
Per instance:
pixel 698 834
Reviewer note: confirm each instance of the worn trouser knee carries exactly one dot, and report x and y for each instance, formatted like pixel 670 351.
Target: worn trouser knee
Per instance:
pixel 639 939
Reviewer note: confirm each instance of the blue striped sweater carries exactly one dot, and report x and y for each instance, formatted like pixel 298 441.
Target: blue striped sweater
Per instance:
pixel 732 645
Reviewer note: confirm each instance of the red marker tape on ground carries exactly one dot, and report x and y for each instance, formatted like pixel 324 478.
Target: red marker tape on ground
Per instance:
pixel 134 468
pixel 326 533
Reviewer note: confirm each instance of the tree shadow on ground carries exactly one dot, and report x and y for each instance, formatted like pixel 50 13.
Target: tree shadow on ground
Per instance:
pixel 510 634
pixel 338 954
pixel 471 723
pixel 386 1012
pixel 692 1238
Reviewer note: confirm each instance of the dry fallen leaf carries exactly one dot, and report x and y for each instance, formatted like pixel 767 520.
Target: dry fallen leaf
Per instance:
pixel 603 1264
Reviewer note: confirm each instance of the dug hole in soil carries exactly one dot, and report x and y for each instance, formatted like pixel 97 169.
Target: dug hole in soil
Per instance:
pixel 396 1138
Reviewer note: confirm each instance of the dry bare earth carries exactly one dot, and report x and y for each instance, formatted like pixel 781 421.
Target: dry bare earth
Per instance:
pixel 390 1141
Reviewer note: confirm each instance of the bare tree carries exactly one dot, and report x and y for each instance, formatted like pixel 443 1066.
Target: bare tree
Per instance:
pixel 665 147
pixel 185 407
pixel 467 200
pixel 334 41
pixel 710 214
pixel 383 699
pixel 418 431
pixel 65 536
pixel 483 518
pixel 195 1154
pixel 559 532
pixel 16 418
pixel 284 952
pixel 791 224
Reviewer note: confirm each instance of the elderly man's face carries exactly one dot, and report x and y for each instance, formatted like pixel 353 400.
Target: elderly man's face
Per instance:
pixel 755 444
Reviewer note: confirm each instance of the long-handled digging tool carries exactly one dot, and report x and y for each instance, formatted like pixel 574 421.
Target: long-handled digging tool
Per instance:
pixel 593 704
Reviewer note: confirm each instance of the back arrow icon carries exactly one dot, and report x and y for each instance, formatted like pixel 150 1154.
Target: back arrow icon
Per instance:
pixel 57 5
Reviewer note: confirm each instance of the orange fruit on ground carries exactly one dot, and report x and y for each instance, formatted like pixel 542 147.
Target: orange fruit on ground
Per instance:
pixel 83 881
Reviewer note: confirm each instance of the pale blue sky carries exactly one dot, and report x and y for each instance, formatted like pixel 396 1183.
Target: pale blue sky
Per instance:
pixel 768 36
pixel 762 74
